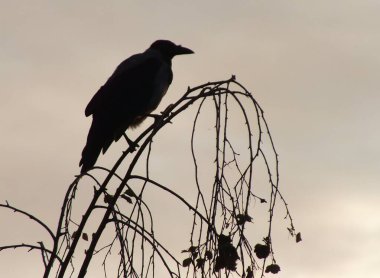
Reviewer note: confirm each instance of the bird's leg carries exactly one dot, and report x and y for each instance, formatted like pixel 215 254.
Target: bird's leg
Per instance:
pixel 132 144
pixel 165 113
pixel 159 117
pixel 154 116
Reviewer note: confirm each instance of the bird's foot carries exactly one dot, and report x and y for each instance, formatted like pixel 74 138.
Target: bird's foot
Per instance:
pixel 132 144
pixel 157 118
pixel 165 113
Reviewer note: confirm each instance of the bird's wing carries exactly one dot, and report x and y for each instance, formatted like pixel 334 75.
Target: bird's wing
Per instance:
pixel 128 88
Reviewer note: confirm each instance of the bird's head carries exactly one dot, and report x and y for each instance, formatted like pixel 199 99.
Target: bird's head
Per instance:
pixel 170 49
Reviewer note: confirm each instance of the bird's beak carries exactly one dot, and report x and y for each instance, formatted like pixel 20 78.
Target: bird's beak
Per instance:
pixel 183 50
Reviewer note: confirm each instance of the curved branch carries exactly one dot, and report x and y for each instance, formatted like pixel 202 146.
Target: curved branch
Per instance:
pixel 175 195
pixel 31 247
pixel 8 206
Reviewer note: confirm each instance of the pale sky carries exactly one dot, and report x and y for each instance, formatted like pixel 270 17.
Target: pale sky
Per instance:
pixel 312 65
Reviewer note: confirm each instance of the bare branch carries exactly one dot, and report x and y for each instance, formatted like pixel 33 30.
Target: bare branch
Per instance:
pixel 8 206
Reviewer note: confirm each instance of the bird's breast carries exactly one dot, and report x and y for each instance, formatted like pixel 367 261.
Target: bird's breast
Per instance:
pixel 161 84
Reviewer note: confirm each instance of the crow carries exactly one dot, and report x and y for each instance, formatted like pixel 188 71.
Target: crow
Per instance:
pixel 132 92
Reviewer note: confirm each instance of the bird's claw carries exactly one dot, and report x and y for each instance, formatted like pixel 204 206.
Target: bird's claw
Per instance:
pixel 167 110
pixel 132 144
pixel 157 118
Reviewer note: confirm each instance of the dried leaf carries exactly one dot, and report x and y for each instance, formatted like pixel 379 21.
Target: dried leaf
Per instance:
pixel 291 231
pixel 186 262
pixel 130 192
pixel 200 262
pixel 242 218
pixel 298 237
pixel 272 268
pixel 74 234
pixel 107 198
pixel 262 251
pixel 85 236
pixel 249 272
pixel 128 199
pixel 208 255
pixel 224 239
pixel 228 254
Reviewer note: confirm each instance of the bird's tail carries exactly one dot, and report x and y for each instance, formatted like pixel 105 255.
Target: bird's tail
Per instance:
pixel 96 140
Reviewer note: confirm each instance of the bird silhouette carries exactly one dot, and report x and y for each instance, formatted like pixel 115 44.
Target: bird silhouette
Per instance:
pixel 132 92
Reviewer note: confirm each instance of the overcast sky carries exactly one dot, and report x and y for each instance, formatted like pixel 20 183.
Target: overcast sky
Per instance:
pixel 313 66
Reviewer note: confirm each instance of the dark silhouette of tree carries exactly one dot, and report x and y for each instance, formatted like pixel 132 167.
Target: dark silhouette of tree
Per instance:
pixel 218 244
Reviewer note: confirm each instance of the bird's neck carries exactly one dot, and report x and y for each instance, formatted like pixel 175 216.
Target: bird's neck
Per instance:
pixel 163 56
